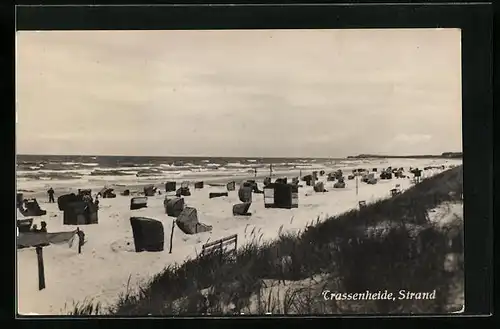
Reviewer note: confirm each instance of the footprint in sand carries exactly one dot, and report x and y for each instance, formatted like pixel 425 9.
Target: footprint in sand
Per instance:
pixel 122 246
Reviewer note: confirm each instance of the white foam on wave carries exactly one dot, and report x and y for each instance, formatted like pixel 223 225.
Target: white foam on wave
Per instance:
pixel 90 164
pixel 235 165
pixel 54 171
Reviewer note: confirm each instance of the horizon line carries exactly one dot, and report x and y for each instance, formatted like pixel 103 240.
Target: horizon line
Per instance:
pixel 367 155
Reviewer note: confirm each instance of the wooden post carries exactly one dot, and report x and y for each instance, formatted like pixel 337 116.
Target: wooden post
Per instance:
pixel 221 251
pixel 271 170
pixel 356 184
pixel 172 236
pixel 255 172
pixel 79 240
pixel 41 272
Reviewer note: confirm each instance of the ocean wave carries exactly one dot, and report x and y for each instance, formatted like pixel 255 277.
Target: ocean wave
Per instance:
pixel 235 165
pixel 125 164
pixel 149 173
pixel 92 164
pixel 99 172
pixel 61 166
pixel 49 172
pixel 58 175
pixel 140 168
pixel 32 167
pixel 201 170
pixel 161 170
pixel 124 168
pixel 35 166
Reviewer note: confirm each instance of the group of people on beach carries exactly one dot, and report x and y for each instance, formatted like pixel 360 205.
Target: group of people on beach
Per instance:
pixel 42 229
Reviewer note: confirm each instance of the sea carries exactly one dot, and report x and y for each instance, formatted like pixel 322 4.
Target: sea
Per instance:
pixel 64 167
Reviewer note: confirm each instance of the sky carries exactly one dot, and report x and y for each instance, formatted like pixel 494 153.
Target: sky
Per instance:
pixel 249 93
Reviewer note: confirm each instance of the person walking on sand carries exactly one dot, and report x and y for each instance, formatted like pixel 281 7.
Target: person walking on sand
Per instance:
pixel 81 239
pixel 50 192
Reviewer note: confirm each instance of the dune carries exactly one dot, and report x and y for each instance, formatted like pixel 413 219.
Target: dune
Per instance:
pixel 108 262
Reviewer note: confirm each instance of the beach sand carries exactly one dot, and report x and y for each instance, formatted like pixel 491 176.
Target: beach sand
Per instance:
pixel 108 259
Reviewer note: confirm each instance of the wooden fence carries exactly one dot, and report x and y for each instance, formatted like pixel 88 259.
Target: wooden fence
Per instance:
pixel 218 246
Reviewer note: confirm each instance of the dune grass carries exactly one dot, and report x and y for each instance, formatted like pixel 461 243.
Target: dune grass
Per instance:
pixel 388 245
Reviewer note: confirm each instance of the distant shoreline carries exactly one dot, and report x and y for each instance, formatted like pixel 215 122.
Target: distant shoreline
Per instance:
pixel 446 155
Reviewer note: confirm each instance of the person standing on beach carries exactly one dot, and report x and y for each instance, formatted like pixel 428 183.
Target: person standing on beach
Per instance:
pixel 96 201
pixel 43 229
pixel 50 192
pixel 87 198
pixel 81 239
pixel 87 210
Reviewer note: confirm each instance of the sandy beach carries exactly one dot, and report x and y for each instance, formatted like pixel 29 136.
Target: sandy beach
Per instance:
pixel 127 109
pixel 108 260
